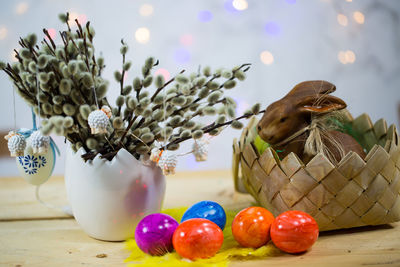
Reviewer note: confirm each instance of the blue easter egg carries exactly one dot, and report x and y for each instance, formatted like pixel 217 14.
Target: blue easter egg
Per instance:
pixel 209 210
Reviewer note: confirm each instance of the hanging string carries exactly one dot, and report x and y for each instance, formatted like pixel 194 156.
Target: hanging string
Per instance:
pixel 37 98
pixel 95 96
pixel 64 209
pixel 15 112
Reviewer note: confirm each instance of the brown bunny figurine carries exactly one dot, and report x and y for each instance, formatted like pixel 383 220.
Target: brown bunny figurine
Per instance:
pixel 287 123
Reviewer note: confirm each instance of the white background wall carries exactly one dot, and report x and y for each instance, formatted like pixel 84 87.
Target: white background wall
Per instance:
pixel 304 37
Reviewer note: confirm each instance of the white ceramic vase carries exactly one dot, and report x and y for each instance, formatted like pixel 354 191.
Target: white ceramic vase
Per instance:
pixel 109 198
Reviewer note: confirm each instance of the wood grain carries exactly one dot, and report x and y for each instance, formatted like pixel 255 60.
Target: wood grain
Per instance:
pixel 27 238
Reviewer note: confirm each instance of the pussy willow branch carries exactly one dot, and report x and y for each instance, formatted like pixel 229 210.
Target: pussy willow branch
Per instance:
pixel 211 127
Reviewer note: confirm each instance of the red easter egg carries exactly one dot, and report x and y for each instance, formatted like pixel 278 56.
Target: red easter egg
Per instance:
pixel 197 239
pixel 294 231
pixel 251 227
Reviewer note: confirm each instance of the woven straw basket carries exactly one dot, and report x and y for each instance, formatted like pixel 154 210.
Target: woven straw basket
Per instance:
pixel 355 192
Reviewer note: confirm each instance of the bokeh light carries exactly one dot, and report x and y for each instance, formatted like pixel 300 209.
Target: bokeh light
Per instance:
pixel 228 5
pixel 182 55
pixel 186 39
pixel 342 57
pixel 146 10
pixel 266 57
pixel 205 16
pixel 240 4
pixel 350 56
pixel 82 18
pixel 165 73
pixel 142 35
pixel 21 8
pixel 52 33
pixel 347 57
pixel 12 57
pixel 241 106
pixel 359 17
pixel 3 32
pixel 272 28
pixel 342 19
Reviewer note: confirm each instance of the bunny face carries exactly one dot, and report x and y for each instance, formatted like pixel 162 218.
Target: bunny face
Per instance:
pixel 280 120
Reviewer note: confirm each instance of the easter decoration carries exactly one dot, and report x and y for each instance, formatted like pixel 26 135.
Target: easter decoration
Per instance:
pixel 131 142
pixel 154 233
pixel 197 239
pixel 35 153
pixel 251 227
pixel 209 210
pixel 308 153
pixel 294 231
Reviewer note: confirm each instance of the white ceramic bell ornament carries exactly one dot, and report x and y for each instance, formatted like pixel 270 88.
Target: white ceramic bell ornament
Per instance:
pixel 36 168
pixel 98 120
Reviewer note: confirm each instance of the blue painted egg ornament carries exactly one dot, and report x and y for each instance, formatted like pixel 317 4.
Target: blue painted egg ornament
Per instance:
pixel 209 210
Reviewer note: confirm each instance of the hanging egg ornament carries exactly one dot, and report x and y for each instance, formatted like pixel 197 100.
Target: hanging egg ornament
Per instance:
pixel 153 234
pixel 16 144
pixel 251 227
pixel 209 210
pixel 197 239
pixel 39 143
pixel 99 120
pixel 167 162
pixel 294 231
pixel 155 154
pixel 200 149
pixel 36 169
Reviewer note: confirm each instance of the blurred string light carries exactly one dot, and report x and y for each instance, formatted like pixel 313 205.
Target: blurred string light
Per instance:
pixel 205 16
pixel 165 73
pixel 266 57
pixel 342 19
pixel 146 10
pixel 3 32
pixel 21 8
pixel 349 0
pixel 240 4
pixel 359 17
pixel 182 55
pixel 346 57
pixel 272 28
pixel 186 40
pixel 142 35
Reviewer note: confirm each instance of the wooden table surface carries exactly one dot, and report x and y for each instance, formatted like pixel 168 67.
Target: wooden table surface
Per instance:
pixel 34 235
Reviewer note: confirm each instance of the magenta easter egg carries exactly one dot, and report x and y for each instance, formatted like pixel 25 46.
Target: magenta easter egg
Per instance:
pixel 153 234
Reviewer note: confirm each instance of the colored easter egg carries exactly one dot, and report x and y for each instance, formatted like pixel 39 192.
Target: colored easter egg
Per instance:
pixel 197 239
pixel 294 231
pixel 153 234
pixel 209 210
pixel 251 227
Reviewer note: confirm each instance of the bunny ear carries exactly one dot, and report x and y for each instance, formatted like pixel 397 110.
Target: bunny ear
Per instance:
pixel 320 104
pixel 312 88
